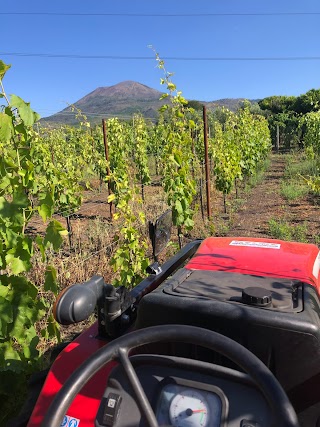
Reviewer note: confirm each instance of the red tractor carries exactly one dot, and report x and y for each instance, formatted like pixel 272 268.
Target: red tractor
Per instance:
pixel 225 333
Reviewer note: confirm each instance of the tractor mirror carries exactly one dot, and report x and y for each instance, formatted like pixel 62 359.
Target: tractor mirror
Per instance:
pixel 160 233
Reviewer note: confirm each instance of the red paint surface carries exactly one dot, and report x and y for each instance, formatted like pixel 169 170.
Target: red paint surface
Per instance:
pixel 293 260
pixel 86 404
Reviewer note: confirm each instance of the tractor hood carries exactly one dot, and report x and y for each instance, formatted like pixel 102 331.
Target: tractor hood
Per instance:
pixel 258 257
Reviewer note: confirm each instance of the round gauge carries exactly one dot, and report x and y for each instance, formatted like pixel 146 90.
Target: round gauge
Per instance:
pixel 189 408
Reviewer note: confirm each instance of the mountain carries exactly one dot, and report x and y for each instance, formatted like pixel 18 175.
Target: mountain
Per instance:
pixel 123 100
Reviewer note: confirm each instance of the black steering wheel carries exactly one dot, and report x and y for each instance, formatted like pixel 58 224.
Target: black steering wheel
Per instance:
pixel 120 348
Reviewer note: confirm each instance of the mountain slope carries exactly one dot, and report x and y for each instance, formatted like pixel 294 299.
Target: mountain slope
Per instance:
pixel 123 100
pixel 120 100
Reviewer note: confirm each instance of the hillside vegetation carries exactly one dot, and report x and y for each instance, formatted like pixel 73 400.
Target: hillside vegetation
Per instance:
pixel 123 100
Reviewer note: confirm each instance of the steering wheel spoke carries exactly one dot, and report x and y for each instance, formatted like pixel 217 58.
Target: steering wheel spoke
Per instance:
pixel 141 397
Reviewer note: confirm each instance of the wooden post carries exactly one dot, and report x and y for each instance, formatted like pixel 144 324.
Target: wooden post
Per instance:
pixel 106 152
pixel 206 151
pixel 69 228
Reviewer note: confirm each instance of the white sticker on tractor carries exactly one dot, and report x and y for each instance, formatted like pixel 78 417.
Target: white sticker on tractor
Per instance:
pixel 70 422
pixel 265 245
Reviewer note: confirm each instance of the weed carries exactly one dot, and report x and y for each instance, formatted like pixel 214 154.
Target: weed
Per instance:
pixel 237 204
pixel 222 230
pixel 282 230
pixel 218 227
pixel 256 179
pixel 293 190
pixel 300 233
pixel 299 166
pixel 316 240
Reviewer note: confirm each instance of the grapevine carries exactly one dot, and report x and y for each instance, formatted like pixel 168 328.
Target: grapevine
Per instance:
pixel 177 154
pixel 129 259
pixel 139 147
pixel 238 147
pixel 21 306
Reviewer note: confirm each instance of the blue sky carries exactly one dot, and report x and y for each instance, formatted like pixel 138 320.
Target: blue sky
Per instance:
pixel 267 31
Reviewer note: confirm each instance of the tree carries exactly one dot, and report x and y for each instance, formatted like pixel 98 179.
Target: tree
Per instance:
pixel 308 102
pixel 196 105
pixel 278 104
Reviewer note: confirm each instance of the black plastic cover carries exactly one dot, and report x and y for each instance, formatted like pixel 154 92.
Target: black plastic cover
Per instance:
pixel 284 335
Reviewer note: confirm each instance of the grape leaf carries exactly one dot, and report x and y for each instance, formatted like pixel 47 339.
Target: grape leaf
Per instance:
pixel 27 115
pixel 6 128
pixel 54 234
pixel 3 69
pixel 50 283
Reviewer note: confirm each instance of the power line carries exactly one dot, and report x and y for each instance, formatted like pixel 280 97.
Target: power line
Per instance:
pixel 172 58
pixel 162 15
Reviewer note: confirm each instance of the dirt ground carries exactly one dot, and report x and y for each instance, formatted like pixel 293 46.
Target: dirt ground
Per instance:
pixel 265 203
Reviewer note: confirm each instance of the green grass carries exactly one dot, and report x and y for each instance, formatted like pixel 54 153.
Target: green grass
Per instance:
pixel 258 176
pixel 293 190
pixel 299 165
pixel 283 230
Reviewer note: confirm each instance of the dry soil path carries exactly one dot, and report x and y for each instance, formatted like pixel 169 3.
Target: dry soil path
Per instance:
pixel 265 202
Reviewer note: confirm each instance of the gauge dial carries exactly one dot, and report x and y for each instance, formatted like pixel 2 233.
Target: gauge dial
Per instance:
pixel 189 408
